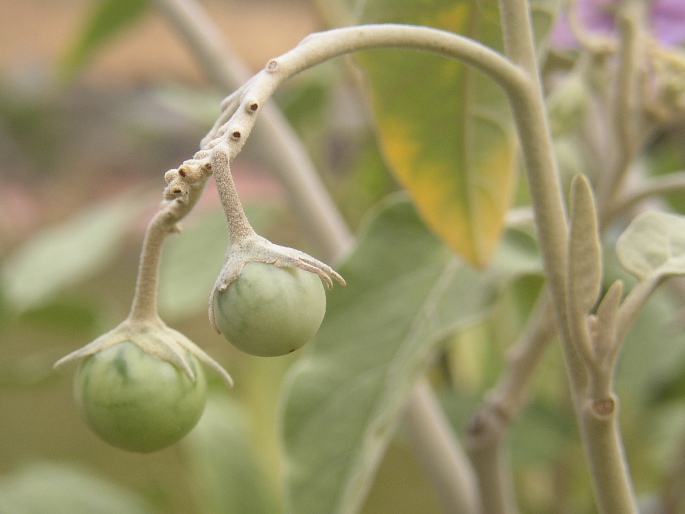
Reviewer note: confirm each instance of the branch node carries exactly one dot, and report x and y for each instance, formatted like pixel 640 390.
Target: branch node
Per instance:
pixel 272 66
pixel 170 176
pixel 604 408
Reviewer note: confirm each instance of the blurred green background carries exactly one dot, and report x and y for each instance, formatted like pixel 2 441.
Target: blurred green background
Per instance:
pixel 83 152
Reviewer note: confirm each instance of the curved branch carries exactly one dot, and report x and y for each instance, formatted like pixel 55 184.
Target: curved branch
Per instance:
pixel 283 150
pixel 323 46
pixel 671 183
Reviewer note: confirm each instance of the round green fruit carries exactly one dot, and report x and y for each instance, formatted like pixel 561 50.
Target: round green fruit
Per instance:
pixel 137 402
pixel 270 311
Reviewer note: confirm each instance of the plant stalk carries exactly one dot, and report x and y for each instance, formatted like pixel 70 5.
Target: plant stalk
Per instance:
pixel 144 305
pixel 598 427
pixel 443 461
pixel 239 227
pixel 284 151
pixel 489 427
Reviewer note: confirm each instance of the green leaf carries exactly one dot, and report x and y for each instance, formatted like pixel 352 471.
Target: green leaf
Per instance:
pixel 192 260
pixel 58 488
pixel 65 254
pixel 64 315
pixel 443 127
pixel 222 458
pixel 585 251
pixel 654 347
pixel 406 292
pixel 653 246
pixel 653 353
pixel 672 388
pixel 107 19
pixel 190 265
pixel 543 13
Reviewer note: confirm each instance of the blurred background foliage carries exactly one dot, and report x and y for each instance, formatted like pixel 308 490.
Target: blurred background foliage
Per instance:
pixel 91 116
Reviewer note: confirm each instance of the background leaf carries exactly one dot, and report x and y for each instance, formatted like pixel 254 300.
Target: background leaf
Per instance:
pixel 654 350
pixel 64 254
pixel 63 488
pixel 653 245
pixel 193 259
pixel 191 262
pixel 543 13
pixel 222 455
pixel 405 293
pixel 107 19
pixel 443 127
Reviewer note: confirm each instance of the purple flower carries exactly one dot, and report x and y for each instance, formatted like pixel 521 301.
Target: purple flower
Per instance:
pixel 666 21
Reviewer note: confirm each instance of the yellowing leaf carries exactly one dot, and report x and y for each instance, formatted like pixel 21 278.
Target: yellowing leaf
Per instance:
pixel 443 127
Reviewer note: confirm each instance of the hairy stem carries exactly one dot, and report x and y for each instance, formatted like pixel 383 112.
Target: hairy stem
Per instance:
pixel 597 417
pixel 533 128
pixel 323 46
pixel 283 150
pixel 144 306
pixel 625 108
pixel 653 187
pixel 239 227
pixel 633 304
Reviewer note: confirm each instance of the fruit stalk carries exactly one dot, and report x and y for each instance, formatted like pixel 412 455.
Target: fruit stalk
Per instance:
pixel 238 225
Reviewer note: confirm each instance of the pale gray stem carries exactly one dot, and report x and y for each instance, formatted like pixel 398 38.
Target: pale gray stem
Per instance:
pixel 144 306
pixel 645 189
pixel 626 106
pixel 239 227
pixel 493 470
pixel 597 416
pixel 489 428
pixel 443 461
pixel 533 127
pixel 284 151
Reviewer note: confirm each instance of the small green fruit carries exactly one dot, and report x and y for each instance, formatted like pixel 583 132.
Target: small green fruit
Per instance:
pixel 269 310
pixel 137 402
